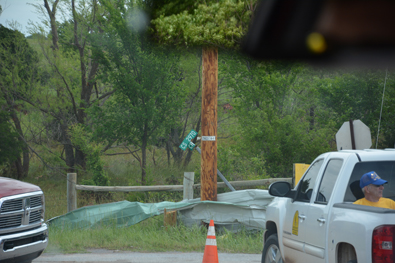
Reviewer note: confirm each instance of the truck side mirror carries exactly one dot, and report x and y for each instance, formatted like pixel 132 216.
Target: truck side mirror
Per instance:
pixel 281 189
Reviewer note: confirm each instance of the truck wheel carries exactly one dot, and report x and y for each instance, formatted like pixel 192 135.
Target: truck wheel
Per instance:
pixel 271 251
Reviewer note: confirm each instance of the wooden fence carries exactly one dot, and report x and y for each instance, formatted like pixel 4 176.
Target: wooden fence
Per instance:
pixel 187 187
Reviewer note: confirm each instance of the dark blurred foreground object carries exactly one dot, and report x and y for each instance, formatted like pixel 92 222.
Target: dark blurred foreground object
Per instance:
pixel 356 31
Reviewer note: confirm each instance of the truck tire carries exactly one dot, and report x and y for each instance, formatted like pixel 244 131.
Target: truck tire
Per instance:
pixel 271 251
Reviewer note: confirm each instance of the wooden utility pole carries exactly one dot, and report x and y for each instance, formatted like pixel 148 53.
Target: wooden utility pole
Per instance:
pixel 209 124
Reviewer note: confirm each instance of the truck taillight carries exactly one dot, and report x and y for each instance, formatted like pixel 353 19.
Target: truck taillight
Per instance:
pixel 383 244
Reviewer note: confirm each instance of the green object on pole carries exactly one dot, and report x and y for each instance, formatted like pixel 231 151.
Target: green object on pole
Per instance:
pixel 185 143
pixel 191 145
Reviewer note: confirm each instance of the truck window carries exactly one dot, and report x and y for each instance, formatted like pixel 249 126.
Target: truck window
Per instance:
pixel 328 181
pixel 385 169
pixel 306 185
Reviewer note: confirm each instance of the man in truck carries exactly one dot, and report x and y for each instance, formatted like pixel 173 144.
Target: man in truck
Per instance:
pixel 372 187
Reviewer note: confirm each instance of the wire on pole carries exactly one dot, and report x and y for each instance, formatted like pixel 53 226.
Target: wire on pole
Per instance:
pixel 382 103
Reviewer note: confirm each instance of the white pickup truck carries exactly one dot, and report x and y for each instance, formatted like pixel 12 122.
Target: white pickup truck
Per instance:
pixel 317 220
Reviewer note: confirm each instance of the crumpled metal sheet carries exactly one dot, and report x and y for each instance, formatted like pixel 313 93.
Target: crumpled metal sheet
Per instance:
pixel 234 210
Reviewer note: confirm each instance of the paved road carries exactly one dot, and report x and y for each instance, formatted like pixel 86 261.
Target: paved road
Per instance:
pixel 100 255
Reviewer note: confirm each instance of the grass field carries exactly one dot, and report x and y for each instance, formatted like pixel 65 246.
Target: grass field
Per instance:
pixel 151 236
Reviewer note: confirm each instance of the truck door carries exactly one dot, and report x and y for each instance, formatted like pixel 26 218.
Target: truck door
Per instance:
pixel 294 230
pixel 317 217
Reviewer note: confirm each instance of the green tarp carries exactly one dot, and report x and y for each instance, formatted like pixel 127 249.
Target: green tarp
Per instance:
pixel 122 213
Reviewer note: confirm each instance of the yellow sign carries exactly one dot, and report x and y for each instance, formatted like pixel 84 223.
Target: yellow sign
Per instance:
pixel 299 170
pixel 295 224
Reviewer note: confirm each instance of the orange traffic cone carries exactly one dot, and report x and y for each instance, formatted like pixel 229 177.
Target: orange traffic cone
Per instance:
pixel 210 251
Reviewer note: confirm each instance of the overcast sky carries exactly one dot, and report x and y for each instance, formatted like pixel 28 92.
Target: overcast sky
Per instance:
pixel 19 11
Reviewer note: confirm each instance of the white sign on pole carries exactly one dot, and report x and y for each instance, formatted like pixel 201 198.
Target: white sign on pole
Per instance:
pixel 208 138
pixel 362 136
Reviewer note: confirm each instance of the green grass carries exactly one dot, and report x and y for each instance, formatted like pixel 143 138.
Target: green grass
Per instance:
pixel 151 236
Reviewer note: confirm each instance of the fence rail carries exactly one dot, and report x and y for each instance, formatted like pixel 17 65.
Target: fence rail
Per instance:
pixel 187 187
pixel 157 188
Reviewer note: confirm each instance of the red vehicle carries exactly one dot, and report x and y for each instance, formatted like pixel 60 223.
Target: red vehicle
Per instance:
pixel 23 233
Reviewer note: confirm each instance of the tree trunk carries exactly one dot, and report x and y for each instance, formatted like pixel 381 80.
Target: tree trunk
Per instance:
pixel 70 161
pixel 87 82
pixel 80 158
pixel 19 169
pixel 175 141
pixel 23 170
pixel 54 30
pixel 168 152
pixel 21 165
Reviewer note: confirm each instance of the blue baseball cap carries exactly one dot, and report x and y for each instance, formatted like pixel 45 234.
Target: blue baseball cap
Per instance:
pixel 371 178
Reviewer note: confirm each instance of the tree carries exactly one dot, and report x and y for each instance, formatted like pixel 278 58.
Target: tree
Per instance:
pixel 18 76
pixel 358 94
pixel 190 115
pixel 148 92
pixel 81 138
pixel 72 85
pixel 279 112
pixel 203 23
pixel 10 147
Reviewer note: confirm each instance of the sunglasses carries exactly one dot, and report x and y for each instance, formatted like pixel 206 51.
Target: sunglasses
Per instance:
pixel 377 185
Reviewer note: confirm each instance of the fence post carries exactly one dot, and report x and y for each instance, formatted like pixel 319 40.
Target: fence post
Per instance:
pixel 170 218
pixel 71 192
pixel 189 178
